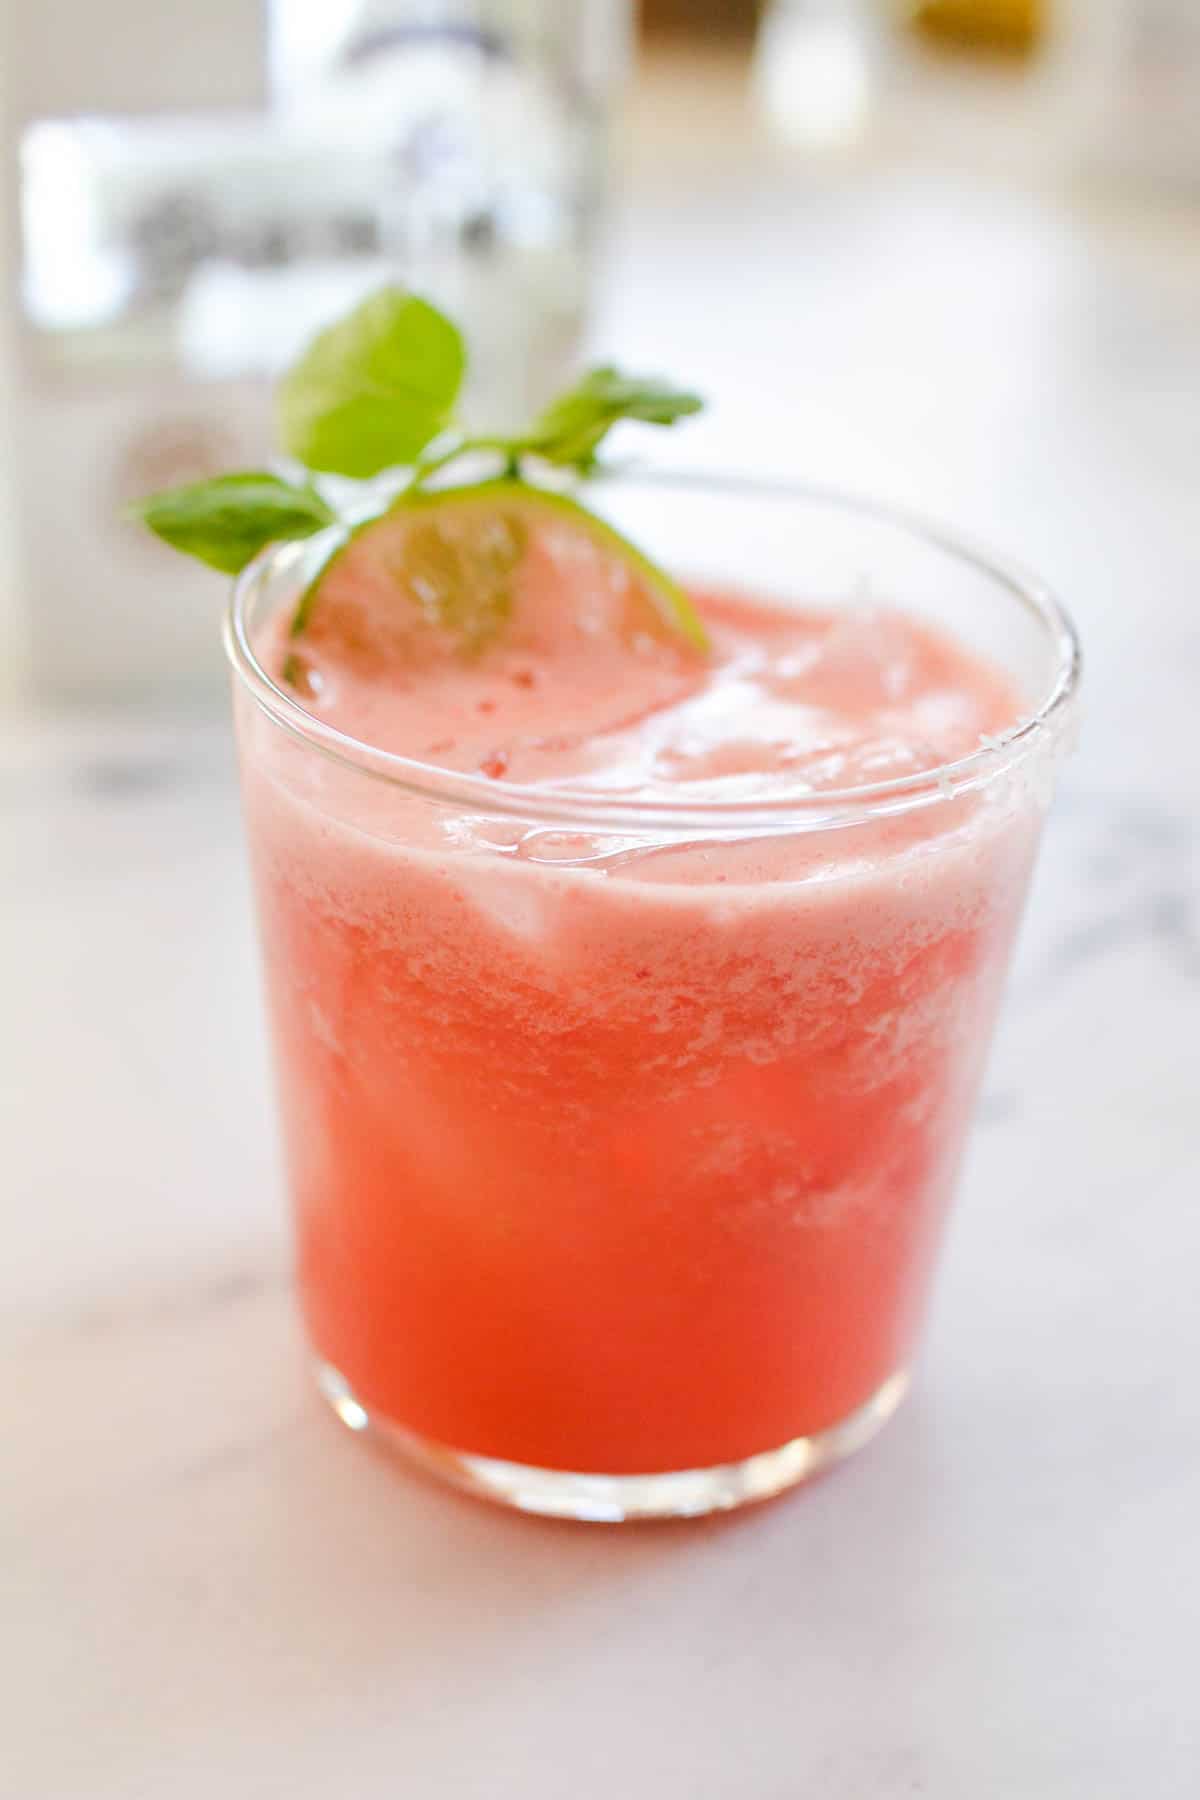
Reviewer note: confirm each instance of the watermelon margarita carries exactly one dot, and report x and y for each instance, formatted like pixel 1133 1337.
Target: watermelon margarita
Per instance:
pixel 629 1003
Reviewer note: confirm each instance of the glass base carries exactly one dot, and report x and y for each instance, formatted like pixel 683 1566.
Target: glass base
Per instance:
pixel 680 1494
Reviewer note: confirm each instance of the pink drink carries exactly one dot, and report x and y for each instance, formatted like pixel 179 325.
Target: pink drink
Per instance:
pixel 614 1148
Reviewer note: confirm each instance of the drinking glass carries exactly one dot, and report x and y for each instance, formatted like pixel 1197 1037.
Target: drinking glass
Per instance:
pixel 621 1133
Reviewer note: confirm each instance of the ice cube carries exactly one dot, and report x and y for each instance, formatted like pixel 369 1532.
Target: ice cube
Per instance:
pixel 506 898
pixel 864 660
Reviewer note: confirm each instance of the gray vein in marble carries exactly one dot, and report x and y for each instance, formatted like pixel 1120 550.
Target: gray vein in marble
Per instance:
pixel 182 1305
pixel 1122 872
pixel 231 1458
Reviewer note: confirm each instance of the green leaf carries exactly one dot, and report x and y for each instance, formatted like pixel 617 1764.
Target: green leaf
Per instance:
pixel 572 427
pixel 371 391
pixel 227 521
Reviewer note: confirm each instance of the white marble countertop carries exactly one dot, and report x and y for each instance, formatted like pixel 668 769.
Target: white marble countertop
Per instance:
pixel 209 1589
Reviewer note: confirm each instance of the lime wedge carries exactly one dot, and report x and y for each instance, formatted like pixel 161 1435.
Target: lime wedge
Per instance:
pixel 449 573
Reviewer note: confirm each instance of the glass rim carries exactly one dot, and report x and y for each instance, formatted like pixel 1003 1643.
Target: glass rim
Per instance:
pixel 797 810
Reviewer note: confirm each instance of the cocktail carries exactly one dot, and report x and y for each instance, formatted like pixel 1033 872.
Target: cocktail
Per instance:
pixel 632 955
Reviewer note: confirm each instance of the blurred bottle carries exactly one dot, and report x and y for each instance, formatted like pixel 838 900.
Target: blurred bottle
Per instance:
pixel 174 255
pixel 1011 27
pixel 814 70
pixel 1129 78
pixel 89 409
pixel 482 131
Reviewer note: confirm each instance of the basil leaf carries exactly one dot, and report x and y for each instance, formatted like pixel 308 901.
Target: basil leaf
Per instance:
pixel 225 522
pixel 572 427
pixel 372 390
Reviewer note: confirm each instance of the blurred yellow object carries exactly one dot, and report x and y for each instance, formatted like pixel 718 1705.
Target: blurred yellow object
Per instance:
pixel 1014 26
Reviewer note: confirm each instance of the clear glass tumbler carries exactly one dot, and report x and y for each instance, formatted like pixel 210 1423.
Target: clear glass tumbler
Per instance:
pixel 621 1135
